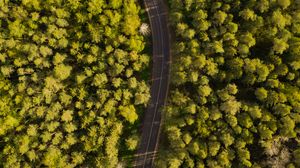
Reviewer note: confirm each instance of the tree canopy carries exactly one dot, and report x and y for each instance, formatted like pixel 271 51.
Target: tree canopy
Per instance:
pixel 71 82
pixel 234 85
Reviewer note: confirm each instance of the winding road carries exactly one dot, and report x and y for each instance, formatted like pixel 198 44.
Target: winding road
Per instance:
pixel 157 13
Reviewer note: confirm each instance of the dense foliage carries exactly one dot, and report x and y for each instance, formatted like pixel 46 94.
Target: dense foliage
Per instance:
pixel 235 97
pixel 70 81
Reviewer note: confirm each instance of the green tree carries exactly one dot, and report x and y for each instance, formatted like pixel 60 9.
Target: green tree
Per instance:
pixel 280 20
pixel 284 3
pixel 100 80
pixel 255 112
pixel 287 127
pixel 296 154
pixel 245 120
pixel 213 147
pixel 244 156
pixel 204 90
pixel 129 113
pixel 227 139
pixel 220 17
pixel 132 142
pixel 280 46
pixel 130 24
pixel 224 158
pixel 95 7
pixel 52 156
pixel 231 106
pixel 261 93
pixel 62 71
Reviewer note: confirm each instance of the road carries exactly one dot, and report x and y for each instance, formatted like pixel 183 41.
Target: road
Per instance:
pixel 157 13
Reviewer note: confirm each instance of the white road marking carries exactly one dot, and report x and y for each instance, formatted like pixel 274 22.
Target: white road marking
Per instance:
pixel 160 56
pixel 151 7
pixel 158 15
pixel 156 79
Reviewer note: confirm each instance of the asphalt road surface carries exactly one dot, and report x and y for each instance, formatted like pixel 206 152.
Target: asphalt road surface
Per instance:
pixel 157 12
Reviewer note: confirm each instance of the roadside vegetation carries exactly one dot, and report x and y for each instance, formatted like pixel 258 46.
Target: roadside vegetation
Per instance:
pixel 235 90
pixel 72 82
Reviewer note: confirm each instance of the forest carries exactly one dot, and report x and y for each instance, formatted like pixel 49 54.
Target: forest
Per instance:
pixel 73 82
pixel 235 89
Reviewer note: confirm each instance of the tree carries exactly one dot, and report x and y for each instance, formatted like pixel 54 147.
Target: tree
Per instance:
pixel 199 14
pixel 231 120
pixel 52 156
pixel 244 156
pixel 179 77
pixel 213 147
pixel 16 28
pixel 188 4
pixel 77 158
pixel 132 142
pixel 187 138
pixel 282 109
pixel 199 149
pixel 215 114
pixel 115 4
pixel 284 3
pixel 231 106
pixel 287 127
pixel 193 76
pixel 248 14
pixel 220 17
pixel 95 7
pixel 211 68
pixel 145 29
pixel 223 158
pixel 132 82
pixel 189 34
pixel 204 90
pixel 255 112
pixel 243 49
pixel 265 132
pixel 263 72
pixel 296 154
pixel 280 46
pixel 63 43
pixel 232 89
pixel 174 163
pixel 58 58
pixel 227 139
pixel 129 113
pixel 62 71
pixel 261 93
pixel 245 120
pixel 203 25
pixel 6 70
pixel 247 39
pixel 67 116
pixel 100 80
pixel 218 47
pixel 131 24
pixel 45 51
pixel 280 20
pixel 191 109
pixel 199 62
pixel 263 5
pixel 8 123
pixel 32 130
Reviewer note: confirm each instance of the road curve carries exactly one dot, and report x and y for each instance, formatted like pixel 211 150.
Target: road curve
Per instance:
pixel 157 13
